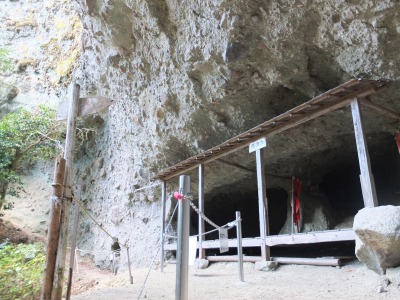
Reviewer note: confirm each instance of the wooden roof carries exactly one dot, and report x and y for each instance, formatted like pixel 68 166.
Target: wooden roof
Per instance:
pixel 331 100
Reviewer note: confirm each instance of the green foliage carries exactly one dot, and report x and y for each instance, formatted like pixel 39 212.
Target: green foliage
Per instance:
pixel 6 64
pixel 25 138
pixel 21 271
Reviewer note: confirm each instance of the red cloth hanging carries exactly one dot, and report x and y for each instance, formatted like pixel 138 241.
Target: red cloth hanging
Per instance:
pixel 296 200
pixel 398 141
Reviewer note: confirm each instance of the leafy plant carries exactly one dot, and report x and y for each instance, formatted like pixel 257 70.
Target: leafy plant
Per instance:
pixel 6 64
pixel 25 138
pixel 21 270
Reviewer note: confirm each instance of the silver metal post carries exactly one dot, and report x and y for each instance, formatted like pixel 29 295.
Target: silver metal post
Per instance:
pixel 163 203
pixel 202 252
pixel 182 251
pixel 239 245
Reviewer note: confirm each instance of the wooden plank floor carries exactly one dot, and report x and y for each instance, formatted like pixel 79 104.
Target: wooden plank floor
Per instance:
pixel 284 239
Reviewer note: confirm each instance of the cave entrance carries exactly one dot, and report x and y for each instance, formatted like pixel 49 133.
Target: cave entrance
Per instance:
pixel 352 93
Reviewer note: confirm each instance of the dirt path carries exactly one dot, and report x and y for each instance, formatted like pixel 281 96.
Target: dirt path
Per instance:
pixel 220 281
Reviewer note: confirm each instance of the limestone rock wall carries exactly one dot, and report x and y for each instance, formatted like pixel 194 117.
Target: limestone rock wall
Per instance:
pixel 188 75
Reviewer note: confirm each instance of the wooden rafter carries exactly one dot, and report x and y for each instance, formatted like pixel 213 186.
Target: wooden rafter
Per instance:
pixel 329 101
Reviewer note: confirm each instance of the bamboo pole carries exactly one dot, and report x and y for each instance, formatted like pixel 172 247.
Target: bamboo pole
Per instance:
pixel 66 204
pixel 73 246
pixel 54 228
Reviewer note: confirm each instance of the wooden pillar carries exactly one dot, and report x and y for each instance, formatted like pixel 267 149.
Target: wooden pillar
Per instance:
pixel 54 229
pixel 66 203
pixel 262 205
pixel 366 177
pixel 163 207
pixel 202 252
pixel 73 245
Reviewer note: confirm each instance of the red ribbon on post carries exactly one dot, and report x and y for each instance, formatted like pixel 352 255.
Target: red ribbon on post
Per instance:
pixel 296 199
pixel 178 196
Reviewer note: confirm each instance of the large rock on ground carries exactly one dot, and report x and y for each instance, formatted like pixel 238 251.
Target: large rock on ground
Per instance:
pixel 378 237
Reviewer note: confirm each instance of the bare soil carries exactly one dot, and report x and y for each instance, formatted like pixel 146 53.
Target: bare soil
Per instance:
pixel 221 281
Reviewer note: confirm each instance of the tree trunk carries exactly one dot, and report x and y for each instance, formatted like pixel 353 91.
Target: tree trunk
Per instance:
pixel 3 192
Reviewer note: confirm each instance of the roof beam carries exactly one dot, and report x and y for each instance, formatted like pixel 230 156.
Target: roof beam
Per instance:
pixel 268 129
pixel 379 108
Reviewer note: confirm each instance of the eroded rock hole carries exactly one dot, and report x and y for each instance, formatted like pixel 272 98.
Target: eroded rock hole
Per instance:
pixel 221 210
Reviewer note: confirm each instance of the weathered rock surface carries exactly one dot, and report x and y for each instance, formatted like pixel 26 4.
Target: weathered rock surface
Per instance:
pixel 201 263
pixel 266 266
pixel 393 275
pixel 187 75
pixel 378 237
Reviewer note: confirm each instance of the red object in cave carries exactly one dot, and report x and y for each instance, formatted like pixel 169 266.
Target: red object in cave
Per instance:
pixel 296 200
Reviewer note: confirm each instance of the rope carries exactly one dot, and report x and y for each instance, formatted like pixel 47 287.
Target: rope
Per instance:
pixel 148 273
pixel 95 222
pixel 190 198
pixel 147 187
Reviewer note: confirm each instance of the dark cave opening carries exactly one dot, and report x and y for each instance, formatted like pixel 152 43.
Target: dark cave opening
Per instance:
pixel 339 185
pixel 222 207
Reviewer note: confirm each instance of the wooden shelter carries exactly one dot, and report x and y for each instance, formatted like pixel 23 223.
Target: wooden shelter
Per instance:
pixel 354 93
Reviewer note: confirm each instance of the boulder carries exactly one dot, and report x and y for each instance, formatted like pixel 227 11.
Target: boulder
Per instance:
pixel 393 275
pixel 201 263
pixel 378 237
pixel 266 265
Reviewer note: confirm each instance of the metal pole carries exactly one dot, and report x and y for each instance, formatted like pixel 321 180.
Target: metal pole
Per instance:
pixel 202 252
pixel 73 245
pixel 163 204
pixel 182 260
pixel 239 245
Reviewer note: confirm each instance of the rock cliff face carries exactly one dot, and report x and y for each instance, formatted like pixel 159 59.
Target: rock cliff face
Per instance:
pixel 187 75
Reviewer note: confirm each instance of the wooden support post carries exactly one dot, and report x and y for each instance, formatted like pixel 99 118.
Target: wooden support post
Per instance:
pixel 163 207
pixel 73 245
pixel 366 177
pixel 202 252
pixel 129 265
pixel 54 228
pixel 66 203
pixel 262 204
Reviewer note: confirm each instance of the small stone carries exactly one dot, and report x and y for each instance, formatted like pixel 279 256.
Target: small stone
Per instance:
pixel 393 275
pixel 266 266
pixel 201 263
pixel 380 289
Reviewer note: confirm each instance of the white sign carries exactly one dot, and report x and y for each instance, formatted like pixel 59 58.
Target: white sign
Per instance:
pixel 192 249
pixel 259 144
pixel 223 240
